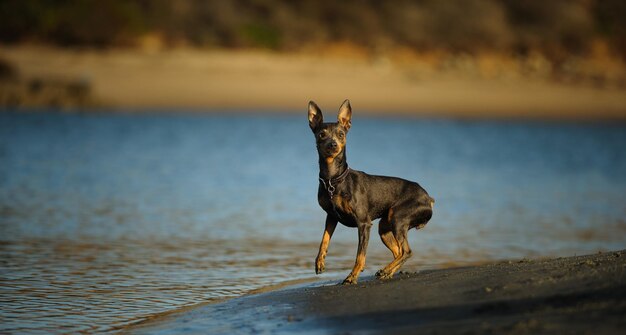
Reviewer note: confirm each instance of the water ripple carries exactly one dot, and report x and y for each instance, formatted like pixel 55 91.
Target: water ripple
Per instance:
pixel 106 220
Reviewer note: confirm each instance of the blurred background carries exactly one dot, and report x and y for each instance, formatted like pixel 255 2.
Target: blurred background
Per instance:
pixel 156 154
pixel 452 58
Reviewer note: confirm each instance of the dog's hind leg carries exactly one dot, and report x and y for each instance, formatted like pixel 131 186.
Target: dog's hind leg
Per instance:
pixel 385 230
pixel 406 254
pixel 417 219
pixel 400 229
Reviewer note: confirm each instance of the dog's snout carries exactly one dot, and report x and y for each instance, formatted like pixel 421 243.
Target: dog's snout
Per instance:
pixel 332 145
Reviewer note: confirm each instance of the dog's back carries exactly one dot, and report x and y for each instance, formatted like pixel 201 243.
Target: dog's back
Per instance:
pixel 382 193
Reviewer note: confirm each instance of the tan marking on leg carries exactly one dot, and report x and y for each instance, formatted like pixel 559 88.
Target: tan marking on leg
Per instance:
pixel 321 255
pixel 324 244
pixel 359 263
pixel 391 268
pixel 386 235
pixel 406 254
pixel 390 242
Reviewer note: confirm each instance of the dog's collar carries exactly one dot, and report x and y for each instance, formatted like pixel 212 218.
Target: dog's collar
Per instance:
pixel 329 184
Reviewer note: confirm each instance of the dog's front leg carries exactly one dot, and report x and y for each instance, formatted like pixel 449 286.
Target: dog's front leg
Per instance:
pixel 331 223
pixel 359 264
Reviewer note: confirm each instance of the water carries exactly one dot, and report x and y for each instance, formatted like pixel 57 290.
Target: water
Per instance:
pixel 109 219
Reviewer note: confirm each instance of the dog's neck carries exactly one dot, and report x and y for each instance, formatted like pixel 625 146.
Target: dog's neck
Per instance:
pixel 330 169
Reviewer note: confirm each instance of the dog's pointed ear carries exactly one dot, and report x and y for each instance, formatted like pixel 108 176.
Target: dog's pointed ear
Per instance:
pixel 315 116
pixel 345 115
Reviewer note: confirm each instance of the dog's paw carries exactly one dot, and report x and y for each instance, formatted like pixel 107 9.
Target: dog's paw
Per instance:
pixel 382 274
pixel 319 266
pixel 349 281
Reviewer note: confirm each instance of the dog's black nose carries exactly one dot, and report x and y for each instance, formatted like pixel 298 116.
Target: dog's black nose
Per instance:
pixel 332 145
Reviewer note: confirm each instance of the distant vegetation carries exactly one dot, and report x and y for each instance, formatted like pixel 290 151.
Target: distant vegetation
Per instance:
pixel 554 28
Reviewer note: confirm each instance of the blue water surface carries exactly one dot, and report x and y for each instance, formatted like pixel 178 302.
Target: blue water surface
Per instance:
pixel 109 218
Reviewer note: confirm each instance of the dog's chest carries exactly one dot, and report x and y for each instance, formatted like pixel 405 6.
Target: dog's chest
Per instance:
pixel 340 205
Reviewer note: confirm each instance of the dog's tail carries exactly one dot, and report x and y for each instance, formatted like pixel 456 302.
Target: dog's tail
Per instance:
pixel 426 205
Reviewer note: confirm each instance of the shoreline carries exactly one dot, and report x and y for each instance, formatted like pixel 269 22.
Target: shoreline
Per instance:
pixel 289 284
pixel 252 80
pixel 578 294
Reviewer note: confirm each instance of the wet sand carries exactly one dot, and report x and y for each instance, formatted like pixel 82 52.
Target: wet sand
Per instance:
pixel 582 295
pixel 264 81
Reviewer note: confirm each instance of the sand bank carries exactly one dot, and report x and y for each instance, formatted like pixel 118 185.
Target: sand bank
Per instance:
pixel 264 81
pixel 582 295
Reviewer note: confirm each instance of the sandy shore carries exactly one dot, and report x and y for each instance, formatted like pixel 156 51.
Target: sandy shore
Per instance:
pixel 581 295
pixel 263 81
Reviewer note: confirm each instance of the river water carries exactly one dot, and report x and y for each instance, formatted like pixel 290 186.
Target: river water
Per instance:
pixel 107 219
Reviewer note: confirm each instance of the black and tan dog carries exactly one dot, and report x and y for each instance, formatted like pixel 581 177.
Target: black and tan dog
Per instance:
pixel 355 198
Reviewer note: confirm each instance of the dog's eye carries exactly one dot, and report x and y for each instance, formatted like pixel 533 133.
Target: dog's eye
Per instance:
pixel 322 135
pixel 340 134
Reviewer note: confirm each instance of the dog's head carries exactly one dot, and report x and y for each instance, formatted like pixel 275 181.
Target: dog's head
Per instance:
pixel 330 137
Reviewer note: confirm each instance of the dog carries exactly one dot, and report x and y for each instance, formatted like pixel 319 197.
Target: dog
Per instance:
pixel 355 198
